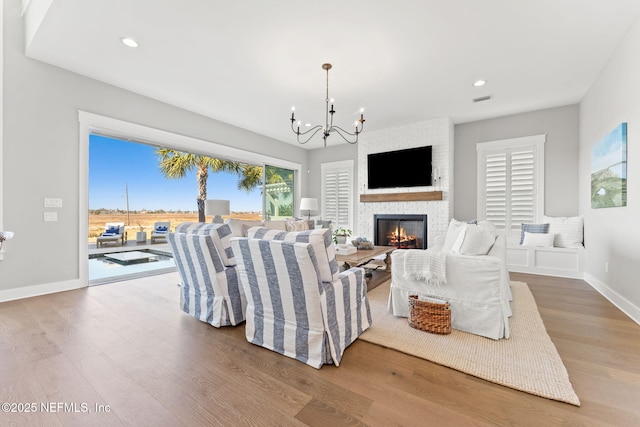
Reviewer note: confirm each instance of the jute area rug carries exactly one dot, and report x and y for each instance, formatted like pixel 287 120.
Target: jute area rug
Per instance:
pixel 528 361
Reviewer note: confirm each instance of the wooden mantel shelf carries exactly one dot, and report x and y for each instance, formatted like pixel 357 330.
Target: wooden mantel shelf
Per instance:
pixel 402 197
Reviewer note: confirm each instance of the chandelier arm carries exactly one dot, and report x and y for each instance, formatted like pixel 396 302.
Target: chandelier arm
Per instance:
pixel 340 131
pixel 357 132
pixel 317 129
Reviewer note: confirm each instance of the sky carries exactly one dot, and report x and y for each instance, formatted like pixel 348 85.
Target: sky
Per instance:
pixel 611 152
pixel 115 165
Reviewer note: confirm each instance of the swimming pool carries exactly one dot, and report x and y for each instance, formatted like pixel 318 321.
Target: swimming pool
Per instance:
pixel 116 266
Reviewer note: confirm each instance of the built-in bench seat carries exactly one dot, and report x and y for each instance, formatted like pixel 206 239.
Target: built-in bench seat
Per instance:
pixel 554 247
pixel 561 262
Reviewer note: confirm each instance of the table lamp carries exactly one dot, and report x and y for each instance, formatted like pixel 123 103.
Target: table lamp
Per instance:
pixel 216 208
pixel 308 204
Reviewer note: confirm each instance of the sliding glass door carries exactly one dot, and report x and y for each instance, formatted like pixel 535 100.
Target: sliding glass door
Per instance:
pixel 278 193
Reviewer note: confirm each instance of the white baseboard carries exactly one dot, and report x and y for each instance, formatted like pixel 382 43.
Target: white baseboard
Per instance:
pixel 615 298
pixel 37 290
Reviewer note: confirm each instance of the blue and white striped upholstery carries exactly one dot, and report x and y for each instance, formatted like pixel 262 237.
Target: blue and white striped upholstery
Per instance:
pixel 290 310
pixel 320 239
pixel 221 234
pixel 210 290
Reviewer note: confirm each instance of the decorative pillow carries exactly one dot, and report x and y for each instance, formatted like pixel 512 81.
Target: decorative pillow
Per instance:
pixel 320 240
pixel 297 225
pixel 275 225
pixel 533 228
pixel 237 226
pixel 489 227
pixel 161 229
pixel 455 228
pixel 112 230
pixel 474 240
pixel 544 240
pixel 569 232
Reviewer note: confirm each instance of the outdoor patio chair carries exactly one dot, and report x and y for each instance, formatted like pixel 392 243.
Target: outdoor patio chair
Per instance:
pixel 114 232
pixel 160 230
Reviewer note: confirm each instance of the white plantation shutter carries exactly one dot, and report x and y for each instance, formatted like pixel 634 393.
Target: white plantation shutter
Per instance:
pixel 511 181
pixel 495 176
pixel 337 189
pixel 523 189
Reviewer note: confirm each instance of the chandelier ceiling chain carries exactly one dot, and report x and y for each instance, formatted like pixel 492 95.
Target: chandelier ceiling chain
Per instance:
pixel 328 126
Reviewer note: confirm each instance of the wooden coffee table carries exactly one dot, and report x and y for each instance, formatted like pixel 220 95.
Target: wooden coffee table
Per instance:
pixel 376 274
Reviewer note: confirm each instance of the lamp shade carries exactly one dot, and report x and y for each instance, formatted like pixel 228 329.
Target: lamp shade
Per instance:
pixel 216 207
pixel 6 235
pixel 308 204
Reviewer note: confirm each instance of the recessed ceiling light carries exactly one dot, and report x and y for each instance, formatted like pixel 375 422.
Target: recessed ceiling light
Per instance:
pixel 129 42
pixel 479 83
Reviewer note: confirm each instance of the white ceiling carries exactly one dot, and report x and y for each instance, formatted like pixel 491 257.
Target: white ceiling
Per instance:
pixel 246 62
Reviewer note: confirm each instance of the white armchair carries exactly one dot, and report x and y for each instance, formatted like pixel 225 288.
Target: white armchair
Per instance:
pixel 477 289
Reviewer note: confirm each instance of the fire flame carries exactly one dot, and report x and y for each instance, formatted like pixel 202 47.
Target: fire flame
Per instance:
pixel 401 237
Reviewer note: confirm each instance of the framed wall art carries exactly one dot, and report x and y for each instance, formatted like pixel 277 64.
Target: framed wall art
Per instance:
pixel 609 170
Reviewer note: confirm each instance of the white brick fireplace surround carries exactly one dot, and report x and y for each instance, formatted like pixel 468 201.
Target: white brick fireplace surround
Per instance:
pixel 439 134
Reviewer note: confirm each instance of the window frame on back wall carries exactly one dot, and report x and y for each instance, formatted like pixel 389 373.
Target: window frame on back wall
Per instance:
pixel 524 159
pixel 345 187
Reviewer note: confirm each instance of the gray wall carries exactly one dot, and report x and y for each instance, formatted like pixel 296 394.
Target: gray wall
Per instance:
pixel 41 155
pixel 561 156
pixel 612 235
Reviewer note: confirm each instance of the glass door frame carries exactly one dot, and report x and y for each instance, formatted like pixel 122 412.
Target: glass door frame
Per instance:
pixel 94 123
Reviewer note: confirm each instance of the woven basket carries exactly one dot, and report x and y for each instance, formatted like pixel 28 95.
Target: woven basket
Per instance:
pixel 430 315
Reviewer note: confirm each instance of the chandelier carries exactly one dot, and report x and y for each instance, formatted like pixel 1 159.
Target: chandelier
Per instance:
pixel 328 127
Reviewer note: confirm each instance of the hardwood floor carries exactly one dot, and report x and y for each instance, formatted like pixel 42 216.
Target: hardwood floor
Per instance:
pixel 127 345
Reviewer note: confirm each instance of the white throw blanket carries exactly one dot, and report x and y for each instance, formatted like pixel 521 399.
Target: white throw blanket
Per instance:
pixel 429 266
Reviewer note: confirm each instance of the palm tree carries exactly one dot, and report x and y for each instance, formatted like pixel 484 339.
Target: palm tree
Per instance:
pixel 175 164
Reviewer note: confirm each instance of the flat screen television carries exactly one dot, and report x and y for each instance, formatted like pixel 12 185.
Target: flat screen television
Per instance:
pixel 401 168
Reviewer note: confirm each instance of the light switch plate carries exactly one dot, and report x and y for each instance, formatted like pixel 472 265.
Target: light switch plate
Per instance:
pixel 50 216
pixel 52 203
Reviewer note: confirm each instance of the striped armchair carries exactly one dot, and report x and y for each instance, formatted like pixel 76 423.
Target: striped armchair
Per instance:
pixel 298 303
pixel 210 289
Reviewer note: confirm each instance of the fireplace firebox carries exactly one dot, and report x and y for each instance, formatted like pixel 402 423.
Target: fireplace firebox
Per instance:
pixel 401 231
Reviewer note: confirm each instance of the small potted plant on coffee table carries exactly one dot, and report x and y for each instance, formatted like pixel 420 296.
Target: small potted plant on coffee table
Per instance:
pixel 340 235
